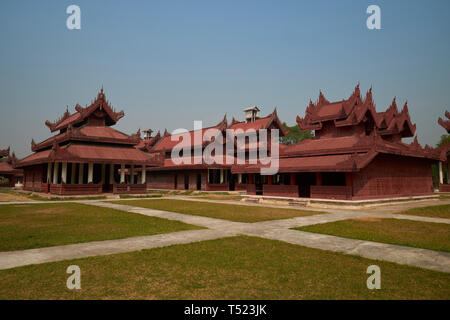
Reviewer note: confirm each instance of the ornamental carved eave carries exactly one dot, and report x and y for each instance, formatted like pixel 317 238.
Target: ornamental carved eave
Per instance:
pixel 100 107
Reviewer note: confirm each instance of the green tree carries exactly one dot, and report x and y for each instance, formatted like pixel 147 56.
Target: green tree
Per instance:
pixel 295 134
pixel 445 138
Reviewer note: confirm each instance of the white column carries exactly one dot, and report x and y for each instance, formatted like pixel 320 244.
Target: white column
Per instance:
pixel 80 173
pixel 64 173
pixel 72 173
pixel 103 173
pixel 240 178
pixel 122 173
pixel 441 173
pixel 143 175
pixel 49 172
pixel 132 174
pixel 55 172
pixel 90 172
pixel 221 175
pixel 111 173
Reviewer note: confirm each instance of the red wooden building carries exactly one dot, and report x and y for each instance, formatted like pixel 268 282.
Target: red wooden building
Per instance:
pixel 9 175
pixel 200 175
pixel 356 153
pixel 87 156
pixel 445 152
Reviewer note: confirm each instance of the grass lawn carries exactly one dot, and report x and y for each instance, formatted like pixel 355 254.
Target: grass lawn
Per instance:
pixel 219 210
pixel 29 226
pixel 427 235
pixel 232 268
pixel 442 211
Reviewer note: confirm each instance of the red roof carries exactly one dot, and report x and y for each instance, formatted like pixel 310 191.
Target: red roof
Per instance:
pixel 100 103
pixel 89 133
pixel 75 152
pixel 354 110
pixel 258 124
pixel 7 168
pixel 195 163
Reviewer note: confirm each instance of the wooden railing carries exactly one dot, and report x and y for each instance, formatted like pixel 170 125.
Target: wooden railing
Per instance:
pixel 75 189
pixel 280 190
pixel 331 192
pixel 124 188
pixel 217 187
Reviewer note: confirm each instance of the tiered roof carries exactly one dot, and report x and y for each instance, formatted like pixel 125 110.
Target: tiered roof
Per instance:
pixel 355 110
pixel 87 136
pixel 166 144
pixel 352 149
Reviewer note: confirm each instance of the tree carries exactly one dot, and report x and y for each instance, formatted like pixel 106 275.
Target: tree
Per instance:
pixel 295 134
pixel 445 138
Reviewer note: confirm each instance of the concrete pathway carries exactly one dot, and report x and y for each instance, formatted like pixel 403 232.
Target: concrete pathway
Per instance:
pixel 12 259
pixel 218 228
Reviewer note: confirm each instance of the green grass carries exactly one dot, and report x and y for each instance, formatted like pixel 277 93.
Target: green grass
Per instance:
pixel 219 210
pixel 442 211
pixel 232 268
pixel 427 235
pixel 30 226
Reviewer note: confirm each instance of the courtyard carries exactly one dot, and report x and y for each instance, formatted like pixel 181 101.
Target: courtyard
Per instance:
pixel 175 246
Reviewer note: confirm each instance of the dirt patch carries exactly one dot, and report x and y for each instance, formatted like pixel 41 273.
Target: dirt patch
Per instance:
pixel 6 197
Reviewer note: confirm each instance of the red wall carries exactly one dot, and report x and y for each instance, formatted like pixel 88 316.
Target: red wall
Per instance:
pixel 160 180
pixel 33 177
pixel 393 176
pixel 331 192
pixel 280 190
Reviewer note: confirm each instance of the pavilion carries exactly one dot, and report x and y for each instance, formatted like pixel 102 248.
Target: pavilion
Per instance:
pixel 9 175
pixel 200 175
pixel 87 156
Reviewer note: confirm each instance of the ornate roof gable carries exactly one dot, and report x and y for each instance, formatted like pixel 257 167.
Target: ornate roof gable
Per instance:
pixel 99 104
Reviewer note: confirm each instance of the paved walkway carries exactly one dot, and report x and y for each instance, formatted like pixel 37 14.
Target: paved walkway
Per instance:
pixel 218 228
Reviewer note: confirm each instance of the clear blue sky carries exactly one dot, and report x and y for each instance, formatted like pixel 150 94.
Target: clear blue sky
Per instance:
pixel 167 63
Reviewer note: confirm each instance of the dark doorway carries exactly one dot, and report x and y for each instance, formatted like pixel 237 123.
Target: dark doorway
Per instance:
pixel 175 181
pixel 259 181
pixel 232 180
pixel 199 181
pixel 186 181
pixel 305 180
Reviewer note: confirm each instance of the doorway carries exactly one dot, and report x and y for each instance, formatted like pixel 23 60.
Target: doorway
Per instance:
pixel 186 181
pixel 199 181
pixel 305 180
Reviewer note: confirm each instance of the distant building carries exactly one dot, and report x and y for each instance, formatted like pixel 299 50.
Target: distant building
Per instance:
pixel 9 176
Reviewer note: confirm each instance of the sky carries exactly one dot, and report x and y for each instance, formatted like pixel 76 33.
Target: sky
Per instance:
pixel 168 63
